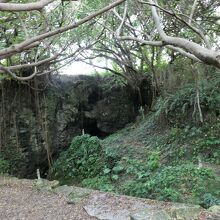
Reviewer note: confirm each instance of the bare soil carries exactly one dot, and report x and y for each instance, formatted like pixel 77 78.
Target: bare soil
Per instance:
pixel 20 200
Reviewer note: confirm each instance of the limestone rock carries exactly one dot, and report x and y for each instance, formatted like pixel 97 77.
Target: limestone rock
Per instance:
pixel 112 207
pixel 74 194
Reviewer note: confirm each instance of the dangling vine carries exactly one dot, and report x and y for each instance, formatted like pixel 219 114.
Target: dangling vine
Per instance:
pixel 46 136
pixel 2 121
pixel 197 97
pixel 41 112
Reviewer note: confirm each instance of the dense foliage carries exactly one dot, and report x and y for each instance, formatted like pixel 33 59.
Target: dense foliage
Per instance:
pixel 159 157
pixel 12 161
pixel 182 105
pixel 84 158
pixel 173 183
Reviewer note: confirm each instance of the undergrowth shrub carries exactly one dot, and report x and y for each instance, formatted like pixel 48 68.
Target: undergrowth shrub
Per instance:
pixel 4 165
pixel 181 106
pixel 113 173
pixel 168 169
pixel 209 200
pixel 194 143
pixel 83 159
pixel 16 160
pixel 174 183
pixel 207 143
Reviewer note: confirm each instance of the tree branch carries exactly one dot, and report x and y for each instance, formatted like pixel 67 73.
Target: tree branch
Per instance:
pixel 13 75
pixel 28 65
pixel 192 11
pixel 161 44
pixel 188 24
pixel 145 42
pixel 25 7
pixel 20 47
pixel 118 32
pixel 208 56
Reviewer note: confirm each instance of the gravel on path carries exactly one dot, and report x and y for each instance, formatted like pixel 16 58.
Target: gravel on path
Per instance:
pixel 20 200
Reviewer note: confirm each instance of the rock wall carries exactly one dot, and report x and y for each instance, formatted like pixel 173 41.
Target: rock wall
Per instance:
pixel 37 124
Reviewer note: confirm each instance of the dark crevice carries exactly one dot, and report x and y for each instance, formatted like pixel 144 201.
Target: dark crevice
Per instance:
pixel 91 127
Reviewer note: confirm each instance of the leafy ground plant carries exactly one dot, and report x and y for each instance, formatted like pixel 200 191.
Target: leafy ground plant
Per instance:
pixel 175 183
pixel 83 159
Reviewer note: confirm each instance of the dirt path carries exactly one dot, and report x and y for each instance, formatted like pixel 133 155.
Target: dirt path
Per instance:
pixel 19 200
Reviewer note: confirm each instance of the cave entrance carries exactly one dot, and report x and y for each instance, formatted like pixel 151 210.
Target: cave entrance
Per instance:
pixel 91 128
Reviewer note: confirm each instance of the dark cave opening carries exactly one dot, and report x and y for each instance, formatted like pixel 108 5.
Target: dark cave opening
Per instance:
pixel 90 127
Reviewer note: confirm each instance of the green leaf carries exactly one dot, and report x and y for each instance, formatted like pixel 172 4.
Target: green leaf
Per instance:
pixel 115 177
pixel 106 171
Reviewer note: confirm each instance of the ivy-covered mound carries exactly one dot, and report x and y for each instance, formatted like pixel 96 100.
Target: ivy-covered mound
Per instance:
pixel 83 159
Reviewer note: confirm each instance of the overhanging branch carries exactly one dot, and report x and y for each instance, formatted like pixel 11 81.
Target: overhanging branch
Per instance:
pixel 20 47
pixel 16 7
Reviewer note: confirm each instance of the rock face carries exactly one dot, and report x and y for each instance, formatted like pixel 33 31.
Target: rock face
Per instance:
pixel 37 124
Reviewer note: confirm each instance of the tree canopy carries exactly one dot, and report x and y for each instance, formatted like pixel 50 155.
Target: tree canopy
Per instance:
pixel 44 35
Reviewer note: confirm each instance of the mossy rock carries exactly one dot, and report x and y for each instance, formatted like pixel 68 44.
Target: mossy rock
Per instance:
pixel 78 194
pixel 46 185
pixel 74 194
pixel 188 212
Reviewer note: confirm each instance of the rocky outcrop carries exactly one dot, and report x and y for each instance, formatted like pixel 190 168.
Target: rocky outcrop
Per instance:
pixel 36 124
